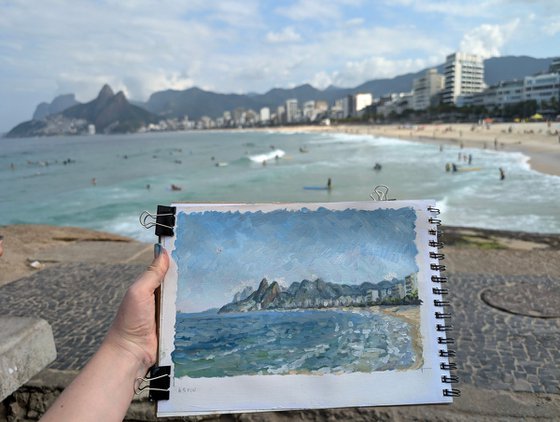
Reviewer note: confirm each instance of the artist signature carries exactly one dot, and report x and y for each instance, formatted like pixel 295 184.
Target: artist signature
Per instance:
pixel 186 389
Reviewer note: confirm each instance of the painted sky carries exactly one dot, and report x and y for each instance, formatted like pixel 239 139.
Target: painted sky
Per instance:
pixel 52 47
pixel 223 251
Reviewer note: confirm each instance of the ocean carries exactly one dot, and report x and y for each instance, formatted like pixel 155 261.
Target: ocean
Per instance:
pixel 134 173
pixel 209 344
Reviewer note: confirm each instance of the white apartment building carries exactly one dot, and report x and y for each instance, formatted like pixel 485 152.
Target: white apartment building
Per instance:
pixel 280 114
pixel 292 110
pixel 542 87
pixel 501 94
pixel 396 103
pixel 309 110
pixel 464 75
pixel 425 88
pixel 362 100
pixel 265 114
pixel 321 106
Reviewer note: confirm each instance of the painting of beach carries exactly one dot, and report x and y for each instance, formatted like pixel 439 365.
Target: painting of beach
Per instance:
pixel 296 292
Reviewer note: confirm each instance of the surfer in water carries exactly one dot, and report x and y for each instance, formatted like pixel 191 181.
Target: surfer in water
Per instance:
pixel 329 184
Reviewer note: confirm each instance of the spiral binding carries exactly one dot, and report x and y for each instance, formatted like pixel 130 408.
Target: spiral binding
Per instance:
pixel 443 315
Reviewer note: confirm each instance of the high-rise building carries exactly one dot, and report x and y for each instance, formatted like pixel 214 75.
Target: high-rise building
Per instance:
pixel 265 114
pixel 280 115
pixel 362 100
pixel 555 65
pixel 309 110
pixel 347 106
pixel 425 88
pixel 464 75
pixel 292 110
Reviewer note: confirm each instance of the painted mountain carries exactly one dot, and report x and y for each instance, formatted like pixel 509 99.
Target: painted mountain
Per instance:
pixel 321 294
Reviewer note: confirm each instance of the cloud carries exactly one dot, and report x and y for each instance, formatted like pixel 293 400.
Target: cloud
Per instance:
pixel 321 80
pixel 487 40
pixel 552 27
pixel 316 10
pixel 460 8
pixel 356 72
pixel 287 34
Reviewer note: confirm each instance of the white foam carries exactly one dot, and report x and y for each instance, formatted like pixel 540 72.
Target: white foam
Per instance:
pixel 259 158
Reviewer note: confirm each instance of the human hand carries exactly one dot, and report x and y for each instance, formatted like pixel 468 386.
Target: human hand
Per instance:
pixel 134 328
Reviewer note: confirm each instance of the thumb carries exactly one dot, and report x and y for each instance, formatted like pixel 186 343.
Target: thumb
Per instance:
pixel 155 273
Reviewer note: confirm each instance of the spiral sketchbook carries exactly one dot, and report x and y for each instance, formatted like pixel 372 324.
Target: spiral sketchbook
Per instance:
pixel 272 307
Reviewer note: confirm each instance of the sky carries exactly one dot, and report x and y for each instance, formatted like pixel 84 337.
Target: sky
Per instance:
pixel 219 253
pixel 53 47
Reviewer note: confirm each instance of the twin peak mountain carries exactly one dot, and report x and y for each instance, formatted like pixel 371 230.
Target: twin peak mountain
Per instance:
pixel 304 294
pixel 108 113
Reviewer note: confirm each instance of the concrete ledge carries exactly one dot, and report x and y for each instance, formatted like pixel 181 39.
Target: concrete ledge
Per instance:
pixel 26 347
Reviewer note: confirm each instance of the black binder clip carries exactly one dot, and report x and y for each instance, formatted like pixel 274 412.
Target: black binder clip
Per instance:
pixel 163 220
pixel 158 383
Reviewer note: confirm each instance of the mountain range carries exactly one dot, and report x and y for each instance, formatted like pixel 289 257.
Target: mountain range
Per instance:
pixel 195 102
pixel 113 113
pixel 304 294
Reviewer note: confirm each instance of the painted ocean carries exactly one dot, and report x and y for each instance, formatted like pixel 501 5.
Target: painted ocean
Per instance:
pixel 134 173
pixel 208 344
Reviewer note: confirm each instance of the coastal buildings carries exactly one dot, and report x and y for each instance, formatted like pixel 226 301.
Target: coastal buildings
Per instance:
pixel 461 87
pixel 394 104
pixel 265 115
pixel 499 95
pixel 464 75
pixel 348 106
pixel 292 110
pixel 425 89
pixel 541 88
pixel 362 100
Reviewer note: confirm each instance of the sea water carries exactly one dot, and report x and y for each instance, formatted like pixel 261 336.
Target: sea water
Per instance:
pixel 209 344
pixel 134 173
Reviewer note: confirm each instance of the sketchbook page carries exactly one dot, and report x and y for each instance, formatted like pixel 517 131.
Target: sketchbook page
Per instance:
pixel 293 306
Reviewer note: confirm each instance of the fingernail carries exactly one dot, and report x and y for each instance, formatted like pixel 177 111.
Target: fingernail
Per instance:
pixel 157 250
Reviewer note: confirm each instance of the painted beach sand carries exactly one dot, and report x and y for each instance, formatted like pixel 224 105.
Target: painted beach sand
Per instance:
pixel 287 292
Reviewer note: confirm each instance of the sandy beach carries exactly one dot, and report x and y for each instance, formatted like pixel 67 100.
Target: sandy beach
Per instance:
pixel 539 141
